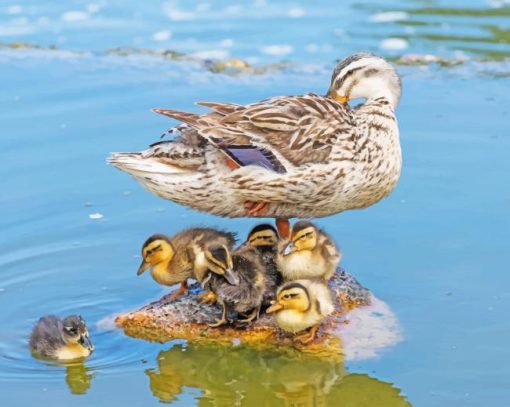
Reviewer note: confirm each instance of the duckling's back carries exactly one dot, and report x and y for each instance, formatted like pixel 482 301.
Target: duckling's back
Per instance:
pixel 249 293
pixel 202 236
pixel 46 337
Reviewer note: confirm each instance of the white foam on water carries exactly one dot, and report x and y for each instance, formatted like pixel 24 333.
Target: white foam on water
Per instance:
pixel 162 35
pixel 75 16
pixel 394 44
pixel 96 215
pixel 370 330
pixel 212 54
pixel 389 17
pixel 277 50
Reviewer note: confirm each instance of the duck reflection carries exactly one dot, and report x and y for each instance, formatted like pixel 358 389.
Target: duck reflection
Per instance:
pixel 238 376
pixel 78 377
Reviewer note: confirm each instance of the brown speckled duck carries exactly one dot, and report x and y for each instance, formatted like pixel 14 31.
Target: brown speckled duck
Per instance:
pixel 287 156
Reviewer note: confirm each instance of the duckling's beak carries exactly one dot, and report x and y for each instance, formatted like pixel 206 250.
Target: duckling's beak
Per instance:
pixel 144 266
pixel 275 306
pixel 86 342
pixel 289 249
pixel 231 277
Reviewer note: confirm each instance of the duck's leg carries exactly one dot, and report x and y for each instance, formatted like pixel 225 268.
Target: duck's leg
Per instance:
pixel 182 290
pixel 283 226
pixel 223 319
pixel 208 297
pixel 253 316
pixel 256 208
pixel 308 337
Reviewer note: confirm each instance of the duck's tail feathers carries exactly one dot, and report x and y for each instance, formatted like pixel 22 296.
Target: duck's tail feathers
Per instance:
pixel 136 164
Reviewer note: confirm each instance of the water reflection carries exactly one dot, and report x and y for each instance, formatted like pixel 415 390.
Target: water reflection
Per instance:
pixel 78 377
pixel 244 376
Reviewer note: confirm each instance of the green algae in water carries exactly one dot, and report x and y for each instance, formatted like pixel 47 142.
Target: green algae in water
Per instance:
pixel 247 377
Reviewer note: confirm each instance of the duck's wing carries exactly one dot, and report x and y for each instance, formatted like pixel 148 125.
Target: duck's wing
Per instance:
pixel 275 133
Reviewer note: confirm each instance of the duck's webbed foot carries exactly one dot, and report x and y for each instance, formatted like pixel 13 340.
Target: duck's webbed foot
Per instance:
pixel 256 208
pixel 309 336
pixel 219 322
pixel 182 290
pixel 251 317
pixel 208 297
pixel 223 320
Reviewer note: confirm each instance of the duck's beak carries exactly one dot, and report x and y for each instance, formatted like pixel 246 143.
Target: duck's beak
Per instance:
pixel 86 342
pixel 144 266
pixel 275 306
pixel 289 249
pixel 231 277
pixel 339 98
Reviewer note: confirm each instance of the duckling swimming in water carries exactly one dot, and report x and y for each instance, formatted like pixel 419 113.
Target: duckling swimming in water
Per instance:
pixel 176 259
pixel 310 253
pixel 238 280
pixel 302 304
pixel 62 339
pixel 264 238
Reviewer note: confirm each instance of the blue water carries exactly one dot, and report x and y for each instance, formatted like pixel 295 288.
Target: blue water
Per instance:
pixel 436 250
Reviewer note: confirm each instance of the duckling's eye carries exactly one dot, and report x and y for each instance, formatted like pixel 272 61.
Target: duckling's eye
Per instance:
pixel 72 330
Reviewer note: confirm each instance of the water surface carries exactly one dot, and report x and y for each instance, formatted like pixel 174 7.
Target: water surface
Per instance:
pixel 436 250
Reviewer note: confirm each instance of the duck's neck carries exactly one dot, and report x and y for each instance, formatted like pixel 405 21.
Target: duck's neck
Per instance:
pixel 162 274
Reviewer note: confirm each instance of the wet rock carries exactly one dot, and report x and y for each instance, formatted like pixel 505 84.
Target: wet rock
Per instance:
pixel 187 318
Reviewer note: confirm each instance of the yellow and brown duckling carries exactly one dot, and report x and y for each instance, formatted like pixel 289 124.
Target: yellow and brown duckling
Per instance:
pixel 302 305
pixel 237 279
pixel 308 253
pixel 264 238
pixel 175 259
pixel 62 339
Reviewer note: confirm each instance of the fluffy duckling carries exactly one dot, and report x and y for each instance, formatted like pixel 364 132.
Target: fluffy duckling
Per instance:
pixel 238 280
pixel 302 304
pixel 176 259
pixel 264 238
pixel 62 339
pixel 309 253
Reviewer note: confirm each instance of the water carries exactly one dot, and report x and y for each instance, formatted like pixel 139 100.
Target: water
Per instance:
pixel 436 251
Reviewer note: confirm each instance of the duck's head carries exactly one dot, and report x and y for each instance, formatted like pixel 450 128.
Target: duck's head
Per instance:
pixel 291 296
pixel 262 236
pixel 303 237
pixel 75 332
pixel 219 261
pixel 365 76
pixel 156 249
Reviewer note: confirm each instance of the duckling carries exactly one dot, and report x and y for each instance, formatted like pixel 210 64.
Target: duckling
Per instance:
pixel 264 238
pixel 302 304
pixel 176 259
pixel 62 339
pixel 310 253
pixel 238 280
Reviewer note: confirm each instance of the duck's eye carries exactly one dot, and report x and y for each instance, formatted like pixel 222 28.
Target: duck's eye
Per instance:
pixel 287 296
pixel 72 330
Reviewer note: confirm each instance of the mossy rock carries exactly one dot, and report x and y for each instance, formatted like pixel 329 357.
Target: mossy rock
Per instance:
pixel 187 318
